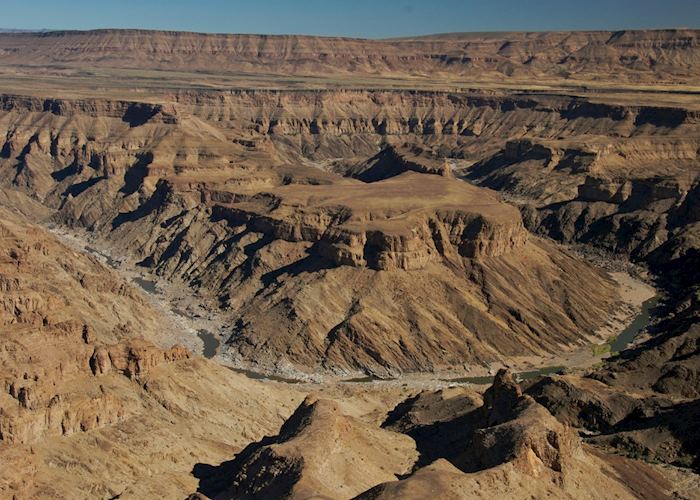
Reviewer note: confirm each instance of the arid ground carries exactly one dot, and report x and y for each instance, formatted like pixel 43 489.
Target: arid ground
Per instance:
pixel 242 266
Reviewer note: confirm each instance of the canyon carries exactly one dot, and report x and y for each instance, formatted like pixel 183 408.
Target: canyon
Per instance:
pixel 362 241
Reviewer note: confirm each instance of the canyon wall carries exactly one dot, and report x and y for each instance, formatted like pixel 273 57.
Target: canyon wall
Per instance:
pixel 229 193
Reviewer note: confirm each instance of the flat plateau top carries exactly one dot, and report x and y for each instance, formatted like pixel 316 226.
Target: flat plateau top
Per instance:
pixel 400 196
pixel 650 67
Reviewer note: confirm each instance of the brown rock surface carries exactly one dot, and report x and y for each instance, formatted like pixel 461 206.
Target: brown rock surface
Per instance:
pixel 319 452
pixel 394 160
pixel 87 404
pixel 626 197
pixel 638 423
pixel 514 447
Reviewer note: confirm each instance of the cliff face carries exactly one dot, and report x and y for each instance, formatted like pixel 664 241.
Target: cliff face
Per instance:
pixel 382 226
pixel 63 399
pixel 623 196
pixel 67 320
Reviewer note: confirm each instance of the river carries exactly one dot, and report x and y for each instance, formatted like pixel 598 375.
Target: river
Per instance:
pixel 211 342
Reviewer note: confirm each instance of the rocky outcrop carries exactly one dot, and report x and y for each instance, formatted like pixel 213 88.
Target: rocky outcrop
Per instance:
pixel 65 400
pixel 429 408
pixel 582 402
pixel 510 444
pixel 61 314
pixel 640 424
pixel 133 359
pixel 590 198
pixel 318 452
pixel 521 432
pixel 132 113
pixel 395 160
pixel 354 226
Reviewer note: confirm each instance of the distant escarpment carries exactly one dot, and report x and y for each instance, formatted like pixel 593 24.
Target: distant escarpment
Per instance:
pixel 625 56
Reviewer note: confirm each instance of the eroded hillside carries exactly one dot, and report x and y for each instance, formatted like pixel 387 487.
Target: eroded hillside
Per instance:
pixel 89 400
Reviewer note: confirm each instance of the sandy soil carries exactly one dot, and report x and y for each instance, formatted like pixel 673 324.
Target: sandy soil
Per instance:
pixel 633 290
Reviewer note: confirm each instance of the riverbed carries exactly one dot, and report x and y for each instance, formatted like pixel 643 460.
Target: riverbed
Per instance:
pixel 188 319
pixel 203 330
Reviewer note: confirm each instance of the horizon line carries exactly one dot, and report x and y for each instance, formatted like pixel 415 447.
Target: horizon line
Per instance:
pixel 22 31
